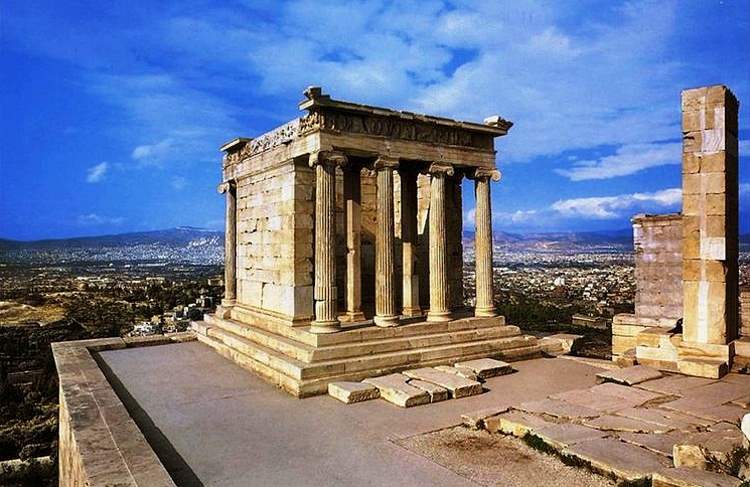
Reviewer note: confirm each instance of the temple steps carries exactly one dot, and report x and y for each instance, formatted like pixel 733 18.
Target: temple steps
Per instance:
pixel 305 370
pixel 429 336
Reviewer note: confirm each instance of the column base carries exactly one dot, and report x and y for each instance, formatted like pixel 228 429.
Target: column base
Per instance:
pixel 325 326
pixel 352 317
pixel 439 316
pixel 224 310
pixel 412 312
pixel 386 321
pixel 488 312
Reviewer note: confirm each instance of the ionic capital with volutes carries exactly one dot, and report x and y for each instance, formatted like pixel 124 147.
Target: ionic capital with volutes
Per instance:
pixel 437 168
pixel 486 173
pixel 328 158
pixel 386 162
pixel 227 187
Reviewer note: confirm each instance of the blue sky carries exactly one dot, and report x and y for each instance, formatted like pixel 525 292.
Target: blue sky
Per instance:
pixel 111 113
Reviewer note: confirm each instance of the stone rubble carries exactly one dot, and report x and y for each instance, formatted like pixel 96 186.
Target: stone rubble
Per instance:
pixel 643 431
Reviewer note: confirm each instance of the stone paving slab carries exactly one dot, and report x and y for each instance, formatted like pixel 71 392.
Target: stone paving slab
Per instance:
pixel 668 418
pixel 613 457
pixel 741 379
pixel 695 407
pixel 436 392
pixel 719 392
pixel 630 375
pixel 630 394
pixel 610 422
pixel 558 409
pixel 743 402
pixel 395 389
pixel 351 392
pixel 598 402
pixel 691 477
pixel 608 397
pixel 746 426
pixel 460 371
pixel 568 341
pixel 674 385
pixel 477 419
pixel 560 436
pixel 516 423
pixel 662 443
pixel 457 385
pixel 485 368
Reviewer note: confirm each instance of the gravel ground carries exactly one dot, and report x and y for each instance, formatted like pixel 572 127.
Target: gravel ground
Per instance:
pixel 498 460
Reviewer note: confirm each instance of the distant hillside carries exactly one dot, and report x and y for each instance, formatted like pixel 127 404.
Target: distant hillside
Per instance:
pixel 561 240
pixel 195 245
pixel 173 236
pixel 201 246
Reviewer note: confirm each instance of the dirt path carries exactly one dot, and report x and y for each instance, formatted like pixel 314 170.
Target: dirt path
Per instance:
pixel 498 460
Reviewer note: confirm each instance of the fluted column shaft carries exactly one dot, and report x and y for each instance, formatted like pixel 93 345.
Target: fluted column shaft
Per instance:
pixel 409 244
pixel 353 208
pixel 325 292
pixel 230 243
pixel 485 305
pixel 385 284
pixel 439 310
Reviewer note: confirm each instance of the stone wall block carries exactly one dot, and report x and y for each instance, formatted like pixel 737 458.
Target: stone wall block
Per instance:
pixel 691 184
pixel 692 141
pixel 714 182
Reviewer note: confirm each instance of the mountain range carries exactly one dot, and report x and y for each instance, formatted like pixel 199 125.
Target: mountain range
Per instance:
pixel 180 236
pixel 198 244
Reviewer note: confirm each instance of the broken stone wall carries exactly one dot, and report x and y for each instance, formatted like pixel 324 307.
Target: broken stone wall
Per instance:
pixel 658 265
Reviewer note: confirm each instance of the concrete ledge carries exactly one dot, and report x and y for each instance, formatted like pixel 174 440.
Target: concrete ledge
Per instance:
pixel 99 443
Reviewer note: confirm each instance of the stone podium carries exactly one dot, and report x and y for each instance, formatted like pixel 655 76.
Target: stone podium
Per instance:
pixel 344 255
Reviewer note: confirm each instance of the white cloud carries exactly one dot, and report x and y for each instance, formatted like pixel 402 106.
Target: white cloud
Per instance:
pixel 167 121
pixel 628 159
pixel 745 189
pixel 93 219
pixel 610 207
pixel 96 173
pixel 151 152
pixel 515 217
pixel 470 218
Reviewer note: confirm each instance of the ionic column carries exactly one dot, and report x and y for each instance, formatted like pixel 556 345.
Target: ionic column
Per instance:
pixel 385 284
pixel 485 305
pixel 409 244
pixel 325 293
pixel 230 243
pixel 353 208
pixel 439 310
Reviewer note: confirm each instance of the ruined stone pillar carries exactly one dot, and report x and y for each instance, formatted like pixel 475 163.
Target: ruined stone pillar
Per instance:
pixel 439 310
pixel 410 276
pixel 485 305
pixel 230 243
pixel 325 292
pixel 353 209
pixel 710 196
pixel 385 283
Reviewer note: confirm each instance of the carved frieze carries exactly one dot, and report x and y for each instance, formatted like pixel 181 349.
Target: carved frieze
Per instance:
pixel 282 135
pixel 358 123
pixel 405 129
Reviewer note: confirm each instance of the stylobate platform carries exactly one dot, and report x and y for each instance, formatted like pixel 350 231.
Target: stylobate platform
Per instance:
pixel 303 363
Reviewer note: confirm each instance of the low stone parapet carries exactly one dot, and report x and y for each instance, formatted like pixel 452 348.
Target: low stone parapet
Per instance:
pixel 99 443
